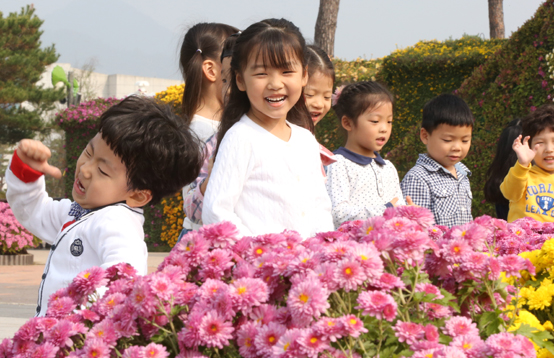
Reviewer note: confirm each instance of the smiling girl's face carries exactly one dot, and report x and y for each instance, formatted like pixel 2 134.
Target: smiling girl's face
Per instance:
pixel 318 94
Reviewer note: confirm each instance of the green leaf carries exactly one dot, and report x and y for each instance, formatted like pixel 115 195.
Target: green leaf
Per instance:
pixel 175 310
pixel 542 339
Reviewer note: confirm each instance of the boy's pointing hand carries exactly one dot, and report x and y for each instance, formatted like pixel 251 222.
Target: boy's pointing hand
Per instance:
pixel 36 155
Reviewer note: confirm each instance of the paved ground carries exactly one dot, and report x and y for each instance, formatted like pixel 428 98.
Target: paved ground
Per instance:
pixel 19 287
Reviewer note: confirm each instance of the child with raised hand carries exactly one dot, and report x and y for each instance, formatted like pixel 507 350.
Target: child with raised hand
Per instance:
pixel 504 159
pixel 267 172
pixel 529 185
pixel 361 183
pixel 142 152
pixel 202 103
pixel 439 181
pixel 319 91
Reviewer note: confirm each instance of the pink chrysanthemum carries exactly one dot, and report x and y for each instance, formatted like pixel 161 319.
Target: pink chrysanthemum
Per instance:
pixel 460 326
pixel 268 336
pixel 370 225
pixel 456 251
pixel 377 304
pixel 332 236
pixel 133 352
pixel 263 314
pixel 399 224
pixel 504 343
pixel 436 311
pixel 388 282
pixel 154 350
pixel 246 335
pixel 141 297
pixel 210 288
pixel 107 303
pixel 408 332
pixel 349 274
pixel 330 328
pixel 248 293
pixel 95 348
pixel 369 258
pixel 423 216
pixel 89 280
pixel 223 234
pixel 193 247
pixel 288 346
pixel 494 268
pixel 312 343
pixel 353 325
pixel 161 286
pixel 214 331
pixel 189 337
pixel 326 275
pixel 45 350
pixel 472 346
pixel 308 298
pixel 121 270
pixel 88 315
pixel 429 289
pixel 512 265
pixel 60 335
pixel 60 307
pixel 305 261
pixel 104 331
pixel 215 263
pixel 410 246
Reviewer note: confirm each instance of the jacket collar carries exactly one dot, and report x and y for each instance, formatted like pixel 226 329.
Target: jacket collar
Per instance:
pixel 433 166
pixel 358 158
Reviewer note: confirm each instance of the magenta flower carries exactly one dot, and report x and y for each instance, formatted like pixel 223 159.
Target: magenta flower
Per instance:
pixel 288 346
pixel 268 336
pixel 460 326
pixel 388 282
pixel 105 332
pixel 95 348
pixel 223 234
pixel 248 293
pixel 508 344
pixel 472 346
pixel 307 299
pixel 121 270
pixel 353 325
pixel 370 225
pixel 330 328
pixel 89 280
pixel 377 304
pixel 429 289
pixel 369 259
pixel 45 350
pixel 424 217
pixel 408 332
pixel 214 331
pixel 161 286
pixel 189 337
pixel 512 265
pixel 349 274
pixel 263 314
pixel 133 352
pixel 246 335
pixel 312 343
pixel 456 251
pixel 154 350
pixel 60 307
pixel 60 335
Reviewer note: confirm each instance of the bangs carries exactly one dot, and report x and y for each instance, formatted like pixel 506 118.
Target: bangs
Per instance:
pixel 278 49
pixel 374 101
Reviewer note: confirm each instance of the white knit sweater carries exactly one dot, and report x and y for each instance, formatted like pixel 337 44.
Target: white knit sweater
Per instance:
pixel 263 184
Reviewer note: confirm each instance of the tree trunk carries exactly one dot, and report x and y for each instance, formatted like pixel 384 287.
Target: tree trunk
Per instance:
pixel 496 19
pixel 326 25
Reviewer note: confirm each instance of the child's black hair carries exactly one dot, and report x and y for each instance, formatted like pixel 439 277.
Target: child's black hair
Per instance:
pixel 504 159
pixel 202 41
pixel 357 97
pixel 446 109
pixel 229 45
pixel 539 120
pixel 275 42
pixel 317 60
pixel 157 148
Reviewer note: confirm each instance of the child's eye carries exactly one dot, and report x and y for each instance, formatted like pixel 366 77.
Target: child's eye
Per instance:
pixel 327 98
pixel 374 122
pixel 224 81
pixel 87 153
pixel 447 140
pixel 102 172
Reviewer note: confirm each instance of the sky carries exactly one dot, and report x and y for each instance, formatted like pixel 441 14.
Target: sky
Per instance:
pixel 143 37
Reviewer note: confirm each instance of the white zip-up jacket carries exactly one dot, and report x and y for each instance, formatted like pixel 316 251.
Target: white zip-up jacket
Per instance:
pixel 103 237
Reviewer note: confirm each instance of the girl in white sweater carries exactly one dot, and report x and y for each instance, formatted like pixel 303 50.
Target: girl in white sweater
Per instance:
pixel 267 172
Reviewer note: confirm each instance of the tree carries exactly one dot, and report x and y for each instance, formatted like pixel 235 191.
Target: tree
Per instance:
pixel 85 78
pixel 496 19
pixel 22 61
pixel 326 25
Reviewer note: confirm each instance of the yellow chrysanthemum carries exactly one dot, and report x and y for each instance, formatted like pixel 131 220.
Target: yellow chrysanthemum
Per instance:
pixel 544 353
pixel 540 298
pixel 526 317
pixel 548 326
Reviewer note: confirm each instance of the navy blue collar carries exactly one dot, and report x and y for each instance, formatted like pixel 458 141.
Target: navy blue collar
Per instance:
pixel 358 158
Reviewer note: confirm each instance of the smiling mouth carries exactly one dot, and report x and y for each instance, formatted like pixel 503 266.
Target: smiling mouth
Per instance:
pixel 315 115
pixel 79 185
pixel 275 99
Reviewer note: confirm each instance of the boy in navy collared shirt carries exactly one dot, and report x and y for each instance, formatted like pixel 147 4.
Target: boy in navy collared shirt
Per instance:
pixel 439 181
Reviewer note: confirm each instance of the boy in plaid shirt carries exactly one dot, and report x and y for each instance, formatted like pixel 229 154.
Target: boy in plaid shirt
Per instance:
pixel 439 181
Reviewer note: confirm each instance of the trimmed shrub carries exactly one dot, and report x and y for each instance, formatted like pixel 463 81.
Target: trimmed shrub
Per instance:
pixel 510 84
pixel 14 239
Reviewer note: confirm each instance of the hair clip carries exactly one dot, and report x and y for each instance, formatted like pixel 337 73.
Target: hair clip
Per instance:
pixel 199 50
pixel 335 97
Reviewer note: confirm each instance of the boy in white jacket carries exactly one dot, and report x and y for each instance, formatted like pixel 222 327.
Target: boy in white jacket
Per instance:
pixel 141 153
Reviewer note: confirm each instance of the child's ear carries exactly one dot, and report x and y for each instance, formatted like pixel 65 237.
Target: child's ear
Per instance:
pixel 424 136
pixel 305 77
pixel 346 123
pixel 139 198
pixel 209 69
pixel 240 82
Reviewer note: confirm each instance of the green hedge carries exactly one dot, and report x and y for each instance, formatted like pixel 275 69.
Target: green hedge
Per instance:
pixel 510 84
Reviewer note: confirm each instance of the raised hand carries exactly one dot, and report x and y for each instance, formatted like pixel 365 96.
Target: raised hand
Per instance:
pixel 394 201
pixel 525 155
pixel 36 155
pixel 409 201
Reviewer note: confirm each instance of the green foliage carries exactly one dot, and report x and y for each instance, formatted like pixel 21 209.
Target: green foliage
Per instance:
pixel 22 62
pixel 513 82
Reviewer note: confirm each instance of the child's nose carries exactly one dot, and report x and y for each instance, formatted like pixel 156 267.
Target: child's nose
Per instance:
pixel 86 169
pixel 275 83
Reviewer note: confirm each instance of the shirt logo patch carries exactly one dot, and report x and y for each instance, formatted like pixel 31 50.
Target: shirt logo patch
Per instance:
pixel 545 203
pixel 76 248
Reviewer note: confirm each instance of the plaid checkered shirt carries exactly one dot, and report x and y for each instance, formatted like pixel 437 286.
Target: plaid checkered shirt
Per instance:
pixel 432 186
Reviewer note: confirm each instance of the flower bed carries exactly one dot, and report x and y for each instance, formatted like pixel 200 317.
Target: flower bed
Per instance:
pixel 14 239
pixel 389 286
